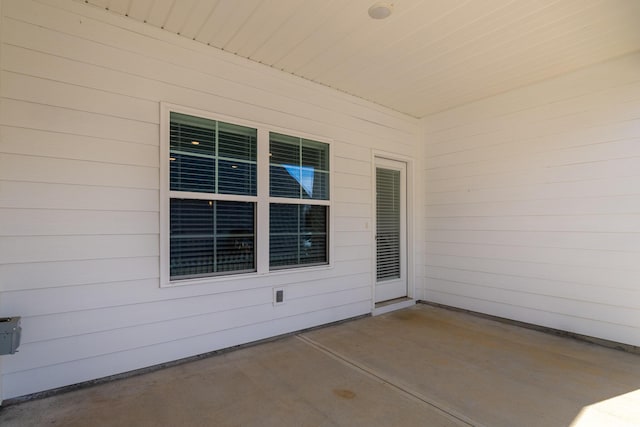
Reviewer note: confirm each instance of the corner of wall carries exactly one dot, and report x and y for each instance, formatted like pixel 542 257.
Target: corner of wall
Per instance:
pixel 420 212
pixel 1 67
pixel 528 203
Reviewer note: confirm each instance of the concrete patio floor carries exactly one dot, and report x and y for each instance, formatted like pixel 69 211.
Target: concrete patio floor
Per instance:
pixel 422 366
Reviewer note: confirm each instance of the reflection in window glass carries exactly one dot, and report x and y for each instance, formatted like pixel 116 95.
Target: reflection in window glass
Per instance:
pixel 299 168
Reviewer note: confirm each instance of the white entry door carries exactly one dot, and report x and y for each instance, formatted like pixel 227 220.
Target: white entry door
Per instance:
pixel 391 230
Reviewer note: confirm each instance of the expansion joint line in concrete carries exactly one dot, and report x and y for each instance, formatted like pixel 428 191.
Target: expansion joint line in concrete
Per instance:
pixel 403 389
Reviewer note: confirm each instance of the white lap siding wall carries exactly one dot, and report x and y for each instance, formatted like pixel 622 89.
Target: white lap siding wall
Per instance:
pixel 533 203
pixel 79 195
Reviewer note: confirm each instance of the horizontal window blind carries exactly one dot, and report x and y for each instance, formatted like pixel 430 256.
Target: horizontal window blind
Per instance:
pixel 214 205
pixel 387 224
pixel 299 168
pixel 211 236
pixel 211 157
pixel 298 235
pixel 299 171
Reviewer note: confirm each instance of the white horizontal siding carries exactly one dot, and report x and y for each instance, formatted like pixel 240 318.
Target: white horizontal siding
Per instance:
pixel 62 171
pixel 580 275
pixel 68 299
pixel 135 357
pixel 151 328
pixel 31 249
pixel 45 195
pixel 31 142
pixel 64 222
pixel 79 187
pixel 532 203
pixel 65 120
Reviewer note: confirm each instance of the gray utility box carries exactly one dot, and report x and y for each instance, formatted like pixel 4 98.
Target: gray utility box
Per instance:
pixel 9 334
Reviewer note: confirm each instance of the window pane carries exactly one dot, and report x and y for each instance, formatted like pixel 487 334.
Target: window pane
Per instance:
pixel 236 142
pixel 283 218
pixel 236 177
pixel 208 237
pixel 299 168
pixel 187 130
pixel 208 156
pixel 315 164
pixel 284 181
pixel 285 172
pixel 314 220
pixel 298 235
pixel 190 173
pixel 235 236
pixel 191 238
pixel 192 149
pixel 316 184
pixel 236 159
pixel 315 154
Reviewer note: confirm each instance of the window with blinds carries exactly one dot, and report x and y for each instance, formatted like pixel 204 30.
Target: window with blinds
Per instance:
pixel 387 224
pixel 209 233
pixel 298 212
pixel 218 219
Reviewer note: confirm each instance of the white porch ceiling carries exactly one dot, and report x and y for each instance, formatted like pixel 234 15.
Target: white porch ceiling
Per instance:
pixel 428 56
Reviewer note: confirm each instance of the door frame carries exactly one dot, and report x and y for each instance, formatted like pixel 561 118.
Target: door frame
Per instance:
pixel 410 226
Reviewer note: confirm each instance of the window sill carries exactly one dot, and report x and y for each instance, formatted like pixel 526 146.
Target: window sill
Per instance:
pixel 245 276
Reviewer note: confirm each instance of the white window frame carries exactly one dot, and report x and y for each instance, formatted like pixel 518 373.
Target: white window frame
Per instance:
pixel 262 199
pixel 299 201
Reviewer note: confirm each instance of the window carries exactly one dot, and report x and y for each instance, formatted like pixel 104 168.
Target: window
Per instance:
pixel 210 234
pixel 299 175
pixel 223 216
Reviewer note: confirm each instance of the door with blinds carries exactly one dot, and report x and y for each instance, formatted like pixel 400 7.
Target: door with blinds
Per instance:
pixel 391 230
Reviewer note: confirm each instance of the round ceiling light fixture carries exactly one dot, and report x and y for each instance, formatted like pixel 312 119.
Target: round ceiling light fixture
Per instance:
pixel 381 10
